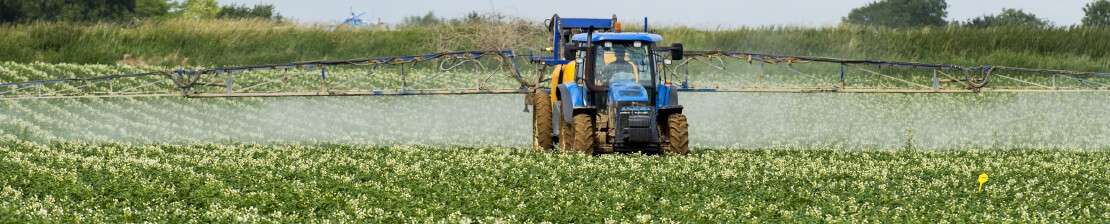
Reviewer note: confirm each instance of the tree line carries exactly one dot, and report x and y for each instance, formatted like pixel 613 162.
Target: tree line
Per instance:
pixel 932 13
pixel 22 11
pixel 884 13
pixel 898 14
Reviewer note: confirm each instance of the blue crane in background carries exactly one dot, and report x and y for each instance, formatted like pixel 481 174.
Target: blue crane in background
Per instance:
pixel 354 20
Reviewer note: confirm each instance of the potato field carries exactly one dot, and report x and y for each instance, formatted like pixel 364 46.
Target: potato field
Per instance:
pixel 219 182
pixel 757 157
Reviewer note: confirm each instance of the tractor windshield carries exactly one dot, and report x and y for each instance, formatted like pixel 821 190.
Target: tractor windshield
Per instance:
pixel 624 61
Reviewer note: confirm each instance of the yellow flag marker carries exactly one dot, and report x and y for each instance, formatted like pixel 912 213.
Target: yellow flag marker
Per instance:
pixel 982 179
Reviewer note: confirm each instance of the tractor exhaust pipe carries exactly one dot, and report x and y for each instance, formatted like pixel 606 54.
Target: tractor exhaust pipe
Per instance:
pixel 591 64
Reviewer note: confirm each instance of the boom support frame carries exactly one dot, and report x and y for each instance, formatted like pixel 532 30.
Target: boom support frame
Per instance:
pixel 718 73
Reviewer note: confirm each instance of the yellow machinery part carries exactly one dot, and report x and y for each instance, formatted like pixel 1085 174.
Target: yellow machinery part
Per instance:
pixel 567 72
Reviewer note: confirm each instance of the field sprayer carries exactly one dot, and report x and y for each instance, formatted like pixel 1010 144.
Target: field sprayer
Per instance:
pixel 623 96
pixel 617 101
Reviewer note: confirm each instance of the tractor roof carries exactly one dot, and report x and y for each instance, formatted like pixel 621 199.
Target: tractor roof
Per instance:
pixel 619 36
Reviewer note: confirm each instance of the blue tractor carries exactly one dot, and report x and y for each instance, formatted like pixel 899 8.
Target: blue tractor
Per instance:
pixel 607 91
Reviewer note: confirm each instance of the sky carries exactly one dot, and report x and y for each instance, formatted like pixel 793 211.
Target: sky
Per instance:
pixel 697 13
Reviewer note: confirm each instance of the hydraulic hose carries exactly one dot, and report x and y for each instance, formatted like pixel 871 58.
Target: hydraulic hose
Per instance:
pixel 551 23
pixel 982 83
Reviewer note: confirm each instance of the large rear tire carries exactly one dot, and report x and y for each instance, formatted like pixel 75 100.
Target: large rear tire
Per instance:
pixel 566 136
pixel 584 136
pixel 678 140
pixel 541 123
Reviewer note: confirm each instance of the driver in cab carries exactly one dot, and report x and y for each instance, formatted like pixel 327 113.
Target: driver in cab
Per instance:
pixel 618 68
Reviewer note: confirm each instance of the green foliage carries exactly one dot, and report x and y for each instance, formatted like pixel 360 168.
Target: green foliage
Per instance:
pixel 210 43
pixel 950 45
pixel 1097 13
pixel 83 10
pixel 125 10
pixel 260 11
pixel 66 10
pixel 152 8
pixel 197 9
pixel 1008 18
pixel 24 135
pixel 220 42
pixel 240 42
pixel 900 14
pixel 116 183
pixel 427 20
pixel 9 12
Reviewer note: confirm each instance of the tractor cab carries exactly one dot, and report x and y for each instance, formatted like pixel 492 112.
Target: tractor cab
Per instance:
pixel 619 68
pixel 624 61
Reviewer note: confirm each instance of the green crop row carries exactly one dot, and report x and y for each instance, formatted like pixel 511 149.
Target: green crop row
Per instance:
pixel 79 182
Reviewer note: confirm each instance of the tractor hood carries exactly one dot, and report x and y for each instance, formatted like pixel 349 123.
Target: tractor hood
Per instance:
pixel 627 91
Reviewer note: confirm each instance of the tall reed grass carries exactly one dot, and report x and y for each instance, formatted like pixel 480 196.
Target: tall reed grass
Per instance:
pixel 239 42
pixel 221 42
pixel 1017 46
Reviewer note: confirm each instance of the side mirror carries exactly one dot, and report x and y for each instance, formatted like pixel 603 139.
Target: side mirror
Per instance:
pixel 676 51
pixel 569 51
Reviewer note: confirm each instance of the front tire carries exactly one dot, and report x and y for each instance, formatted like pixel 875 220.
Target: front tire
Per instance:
pixel 584 136
pixel 541 123
pixel 566 136
pixel 678 140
